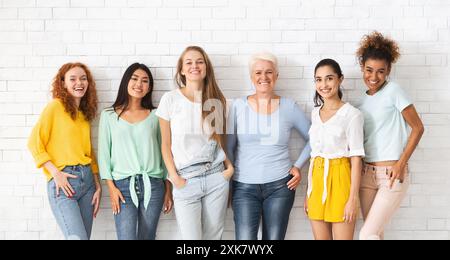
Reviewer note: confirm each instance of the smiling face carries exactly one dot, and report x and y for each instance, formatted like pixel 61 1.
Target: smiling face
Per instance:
pixel 264 76
pixel 139 84
pixel 76 82
pixel 194 66
pixel 327 82
pixel 375 73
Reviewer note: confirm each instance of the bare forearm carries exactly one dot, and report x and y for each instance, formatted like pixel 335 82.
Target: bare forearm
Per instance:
pixel 110 184
pixel 97 181
pixel 169 162
pixel 228 164
pixel 50 167
pixel 166 144
pixel 412 118
pixel 356 168
pixel 168 186
pixel 413 141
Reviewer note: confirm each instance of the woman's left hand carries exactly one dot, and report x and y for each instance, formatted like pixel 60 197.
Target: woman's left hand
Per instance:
pixel 96 199
pixel 168 203
pixel 168 199
pixel 295 181
pixel 397 173
pixel 228 172
pixel 350 211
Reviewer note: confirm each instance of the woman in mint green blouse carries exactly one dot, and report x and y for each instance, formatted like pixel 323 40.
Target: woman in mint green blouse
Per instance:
pixel 130 158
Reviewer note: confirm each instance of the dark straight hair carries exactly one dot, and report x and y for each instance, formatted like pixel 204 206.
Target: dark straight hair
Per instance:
pixel 318 100
pixel 122 99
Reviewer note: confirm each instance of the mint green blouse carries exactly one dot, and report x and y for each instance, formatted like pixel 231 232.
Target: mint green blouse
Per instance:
pixel 128 150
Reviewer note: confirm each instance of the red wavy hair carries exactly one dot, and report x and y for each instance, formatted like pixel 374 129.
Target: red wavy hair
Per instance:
pixel 88 104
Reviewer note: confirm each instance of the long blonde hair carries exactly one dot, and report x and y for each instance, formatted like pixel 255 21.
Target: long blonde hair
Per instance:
pixel 210 91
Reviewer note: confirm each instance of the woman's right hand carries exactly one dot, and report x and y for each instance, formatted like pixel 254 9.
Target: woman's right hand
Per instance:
pixel 178 182
pixel 305 206
pixel 115 197
pixel 62 182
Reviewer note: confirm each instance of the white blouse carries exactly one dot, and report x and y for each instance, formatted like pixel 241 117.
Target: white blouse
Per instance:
pixel 341 136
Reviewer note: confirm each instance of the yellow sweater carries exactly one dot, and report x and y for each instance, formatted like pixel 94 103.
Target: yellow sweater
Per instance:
pixel 58 138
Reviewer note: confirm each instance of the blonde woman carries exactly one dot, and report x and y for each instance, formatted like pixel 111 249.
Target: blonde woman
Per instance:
pixel 192 119
pixel 260 127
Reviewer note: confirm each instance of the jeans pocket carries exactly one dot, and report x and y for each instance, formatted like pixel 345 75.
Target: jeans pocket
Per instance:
pixel 397 186
pixel 123 186
pixel 180 192
pixel 183 187
pixel 226 178
pixel 51 189
pixel 74 182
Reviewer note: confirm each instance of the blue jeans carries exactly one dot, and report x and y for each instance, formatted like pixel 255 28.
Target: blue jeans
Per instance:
pixel 74 215
pixel 271 201
pixel 201 205
pixel 139 223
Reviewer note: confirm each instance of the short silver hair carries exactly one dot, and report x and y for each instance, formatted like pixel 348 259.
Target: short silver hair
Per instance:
pixel 264 56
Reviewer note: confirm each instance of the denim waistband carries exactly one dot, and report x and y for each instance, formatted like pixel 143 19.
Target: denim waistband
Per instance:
pixel 380 169
pixel 78 168
pixel 203 169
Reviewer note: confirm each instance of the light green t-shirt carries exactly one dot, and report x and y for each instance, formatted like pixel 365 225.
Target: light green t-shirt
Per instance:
pixel 385 129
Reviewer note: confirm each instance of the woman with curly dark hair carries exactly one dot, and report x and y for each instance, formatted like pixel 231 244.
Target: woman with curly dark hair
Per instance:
pixel 61 143
pixel 387 114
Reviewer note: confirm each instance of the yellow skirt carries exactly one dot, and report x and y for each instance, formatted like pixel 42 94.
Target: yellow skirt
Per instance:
pixel 338 189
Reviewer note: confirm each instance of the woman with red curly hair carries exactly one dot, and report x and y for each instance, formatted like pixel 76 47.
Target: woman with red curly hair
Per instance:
pixel 61 144
pixel 388 147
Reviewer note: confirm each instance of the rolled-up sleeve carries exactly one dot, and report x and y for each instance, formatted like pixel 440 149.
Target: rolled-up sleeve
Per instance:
pixel 40 136
pixel 355 136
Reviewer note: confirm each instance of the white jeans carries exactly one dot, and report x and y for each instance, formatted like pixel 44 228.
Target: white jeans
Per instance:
pixel 201 205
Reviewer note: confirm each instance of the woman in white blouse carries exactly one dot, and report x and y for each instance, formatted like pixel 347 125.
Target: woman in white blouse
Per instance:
pixel 337 144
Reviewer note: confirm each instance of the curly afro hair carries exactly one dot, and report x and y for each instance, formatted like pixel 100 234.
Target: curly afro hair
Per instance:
pixel 378 47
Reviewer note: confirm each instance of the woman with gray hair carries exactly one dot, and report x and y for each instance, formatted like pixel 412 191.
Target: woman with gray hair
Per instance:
pixel 259 130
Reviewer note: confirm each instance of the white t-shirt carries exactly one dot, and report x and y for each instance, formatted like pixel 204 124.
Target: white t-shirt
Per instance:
pixel 190 144
pixel 341 136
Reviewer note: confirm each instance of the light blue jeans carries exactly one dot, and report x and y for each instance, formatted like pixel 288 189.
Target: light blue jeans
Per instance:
pixel 139 223
pixel 74 215
pixel 201 205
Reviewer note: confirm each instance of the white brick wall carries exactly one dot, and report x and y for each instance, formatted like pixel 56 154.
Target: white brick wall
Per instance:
pixel 37 36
